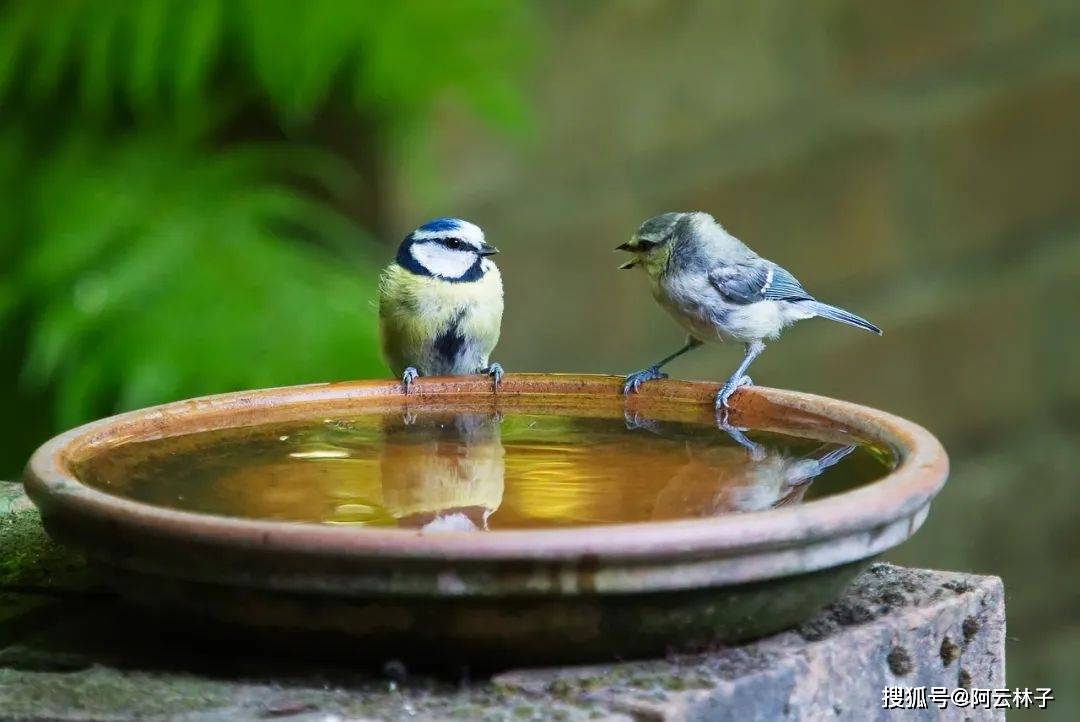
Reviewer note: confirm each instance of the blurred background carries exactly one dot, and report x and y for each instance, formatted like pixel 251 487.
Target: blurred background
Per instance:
pixel 198 196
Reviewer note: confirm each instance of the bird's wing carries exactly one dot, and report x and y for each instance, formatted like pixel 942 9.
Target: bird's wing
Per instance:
pixel 757 280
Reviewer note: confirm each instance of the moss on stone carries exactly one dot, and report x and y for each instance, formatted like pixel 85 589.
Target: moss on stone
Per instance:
pixel 29 557
pixel 673 683
pixel 561 689
pixel 102 692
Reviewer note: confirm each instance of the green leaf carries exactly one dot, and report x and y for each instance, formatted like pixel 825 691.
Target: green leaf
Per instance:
pixel 16 29
pixel 170 272
pixel 198 38
pixel 99 43
pixel 393 60
pixel 58 24
pixel 147 34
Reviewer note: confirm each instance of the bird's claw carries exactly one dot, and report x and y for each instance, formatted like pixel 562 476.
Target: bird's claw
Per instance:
pixel 495 371
pixel 729 389
pixel 407 378
pixel 635 380
pixel 635 420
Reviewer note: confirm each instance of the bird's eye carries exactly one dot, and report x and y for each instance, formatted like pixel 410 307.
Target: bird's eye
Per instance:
pixel 453 243
pixel 644 245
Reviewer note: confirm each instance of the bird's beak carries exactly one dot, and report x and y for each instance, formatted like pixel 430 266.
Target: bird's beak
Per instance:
pixel 486 249
pixel 628 246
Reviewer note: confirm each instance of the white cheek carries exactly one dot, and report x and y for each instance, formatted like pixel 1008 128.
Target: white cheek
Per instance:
pixel 443 261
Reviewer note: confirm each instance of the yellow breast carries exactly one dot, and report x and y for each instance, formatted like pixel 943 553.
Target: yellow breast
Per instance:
pixel 415 310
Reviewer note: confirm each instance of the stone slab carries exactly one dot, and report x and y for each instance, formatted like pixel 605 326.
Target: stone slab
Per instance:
pixel 70 651
pixel 893 627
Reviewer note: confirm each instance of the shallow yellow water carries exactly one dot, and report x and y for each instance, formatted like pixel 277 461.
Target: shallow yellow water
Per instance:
pixel 478 471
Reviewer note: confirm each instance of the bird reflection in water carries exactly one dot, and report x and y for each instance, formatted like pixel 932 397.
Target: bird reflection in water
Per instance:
pixel 448 473
pixel 443 473
pixel 717 480
pixel 436 470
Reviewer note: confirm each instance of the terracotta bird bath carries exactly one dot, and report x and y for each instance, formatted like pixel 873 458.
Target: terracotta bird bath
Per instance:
pixel 504 595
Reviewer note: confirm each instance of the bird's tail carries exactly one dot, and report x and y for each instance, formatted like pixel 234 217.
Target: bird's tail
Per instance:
pixel 838 314
pixel 831 458
pixel 806 469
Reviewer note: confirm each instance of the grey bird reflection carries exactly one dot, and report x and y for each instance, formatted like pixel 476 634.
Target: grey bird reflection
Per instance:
pixel 443 473
pixel 743 478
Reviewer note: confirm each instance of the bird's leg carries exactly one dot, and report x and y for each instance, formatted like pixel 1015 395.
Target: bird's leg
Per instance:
pixel 407 378
pixel 495 371
pixel 756 451
pixel 636 379
pixel 739 378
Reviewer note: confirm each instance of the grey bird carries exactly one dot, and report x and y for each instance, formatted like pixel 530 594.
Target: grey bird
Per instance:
pixel 719 290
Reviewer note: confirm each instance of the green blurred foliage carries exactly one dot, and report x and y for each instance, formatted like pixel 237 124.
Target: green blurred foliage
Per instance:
pixel 179 180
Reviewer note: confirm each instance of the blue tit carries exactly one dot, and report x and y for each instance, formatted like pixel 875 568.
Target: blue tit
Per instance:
pixel 719 290
pixel 441 303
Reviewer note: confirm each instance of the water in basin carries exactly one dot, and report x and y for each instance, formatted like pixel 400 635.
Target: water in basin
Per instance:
pixel 475 471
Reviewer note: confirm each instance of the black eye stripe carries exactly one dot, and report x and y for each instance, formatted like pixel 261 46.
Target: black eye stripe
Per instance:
pixel 452 242
pixel 647 245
